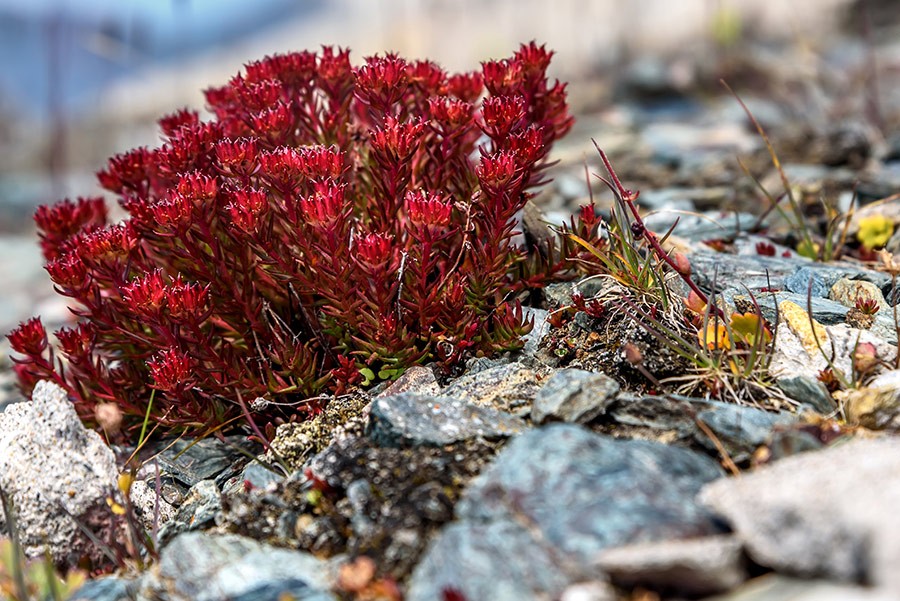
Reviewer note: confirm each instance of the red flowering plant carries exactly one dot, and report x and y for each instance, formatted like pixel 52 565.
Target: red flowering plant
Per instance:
pixel 330 226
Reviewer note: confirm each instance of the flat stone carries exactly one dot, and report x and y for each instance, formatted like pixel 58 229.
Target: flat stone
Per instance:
pixel 534 521
pixel 107 588
pixel 56 473
pixel 417 419
pixel 197 566
pixel 691 567
pixel 830 513
pixel 776 587
pixel 573 395
pixel 673 420
pixel 510 388
pixel 809 392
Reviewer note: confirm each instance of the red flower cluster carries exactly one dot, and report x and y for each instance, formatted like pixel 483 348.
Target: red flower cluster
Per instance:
pixel 331 225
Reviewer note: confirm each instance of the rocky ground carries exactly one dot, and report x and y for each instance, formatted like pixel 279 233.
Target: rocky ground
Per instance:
pixel 555 473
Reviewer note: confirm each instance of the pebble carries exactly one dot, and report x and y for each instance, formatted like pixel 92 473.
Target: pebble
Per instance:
pixel 573 395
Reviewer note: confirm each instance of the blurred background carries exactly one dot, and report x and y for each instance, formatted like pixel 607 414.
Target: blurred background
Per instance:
pixel 82 80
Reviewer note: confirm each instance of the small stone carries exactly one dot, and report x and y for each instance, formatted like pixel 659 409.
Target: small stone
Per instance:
pixel 197 566
pixel 418 419
pixel 151 507
pixel 692 567
pixel 808 391
pixel 877 405
pixel 799 282
pixel 573 395
pixel 589 591
pixel 415 379
pixel 811 333
pixel 847 292
pixel 198 511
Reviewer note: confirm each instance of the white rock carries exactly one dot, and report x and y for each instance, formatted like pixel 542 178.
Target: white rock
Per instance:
pixel 52 466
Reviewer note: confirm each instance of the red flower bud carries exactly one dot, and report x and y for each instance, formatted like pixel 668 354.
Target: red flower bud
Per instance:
pixel 76 343
pixel 246 207
pixel 502 114
pixel 187 301
pixel 466 86
pixel 382 81
pixel 237 156
pixel 170 124
pixel 30 338
pixel 396 141
pixel 171 370
pixel 428 209
pixel 146 295
pixel 496 171
pixel 57 223
pixel 325 205
pixel 374 249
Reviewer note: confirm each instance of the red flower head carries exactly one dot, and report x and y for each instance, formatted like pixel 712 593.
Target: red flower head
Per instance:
pixel 282 167
pixel 533 60
pixel 146 295
pixel 496 170
pixel 172 371
pixel 197 187
pixel 382 81
pixel 318 162
pixel 77 342
pixel 528 146
pixel 325 205
pixel 59 222
pixel 246 207
pixel 105 244
pixel 237 157
pixel 502 114
pixel 374 249
pixel 170 124
pixel 175 211
pixel 449 114
pixel 502 78
pixel 334 68
pixel 127 171
pixel 427 76
pixel 257 96
pixel 466 86
pixel 274 124
pixel 428 209
pixel 30 338
pixel 187 301
pixel 396 141
pixel 69 273
pixel 294 69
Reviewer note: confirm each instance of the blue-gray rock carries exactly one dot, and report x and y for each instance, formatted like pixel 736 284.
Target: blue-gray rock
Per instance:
pixel 535 520
pixel 417 419
pixel 809 392
pixel 110 588
pixel 198 510
pixel 798 282
pixel 197 566
pixel 260 476
pixel 573 395
pixel 740 429
pixel 190 461
pixel 712 224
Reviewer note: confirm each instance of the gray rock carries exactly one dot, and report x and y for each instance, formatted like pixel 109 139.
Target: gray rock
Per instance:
pixel 573 395
pixel 415 379
pixel 151 507
pixel 830 513
pixel 55 472
pixel 190 461
pixel 808 391
pixel 711 224
pixel 775 587
pixel 798 282
pixel 510 388
pixel 535 520
pixel 260 476
pixel 198 510
pixel 740 429
pixel 418 419
pixel 692 567
pixel 110 588
pixel 201 567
